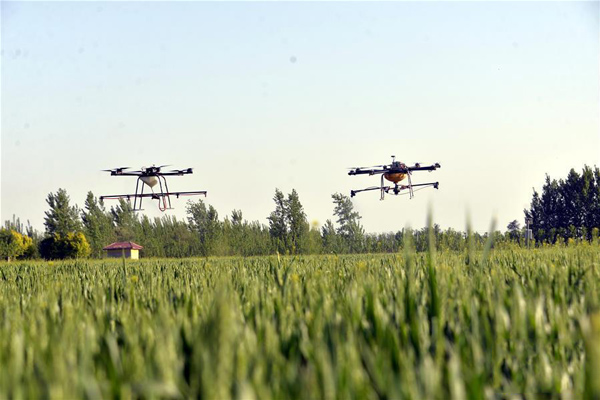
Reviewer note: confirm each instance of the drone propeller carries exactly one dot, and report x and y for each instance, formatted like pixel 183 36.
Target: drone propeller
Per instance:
pixel 378 166
pixel 116 169
pixel 418 165
pixel 183 171
pixel 154 168
pixel 372 166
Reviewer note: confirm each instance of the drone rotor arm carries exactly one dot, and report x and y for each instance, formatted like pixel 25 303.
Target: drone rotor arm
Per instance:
pixel 116 171
pixel 153 195
pixel 177 172
pixel 354 192
pixel 424 168
pixel 132 173
pixel 359 171
pixel 434 184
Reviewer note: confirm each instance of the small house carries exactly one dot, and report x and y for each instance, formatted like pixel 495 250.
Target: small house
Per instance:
pixel 123 249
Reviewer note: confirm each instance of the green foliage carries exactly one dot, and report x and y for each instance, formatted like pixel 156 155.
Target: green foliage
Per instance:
pixel 205 222
pixel 278 222
pixel 203 234
pixel 64 237
pixel 514 230
pixel 33 237
pixel 288 225
pixel 75 245
pixel 70 245
pixel 124 220
pixel 332 242
pixel 97 225
pixel 297 222
pixel 567 208
pixel 314 242
pixel 349 227
pixel 244 238
pixel 61 218
pixel 418 326
pixel 591 330
pixel 14 245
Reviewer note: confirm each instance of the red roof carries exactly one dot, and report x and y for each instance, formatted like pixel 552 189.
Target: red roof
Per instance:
pixel 123 245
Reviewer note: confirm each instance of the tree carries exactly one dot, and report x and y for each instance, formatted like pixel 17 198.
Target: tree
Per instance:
pixel 13 244
pixel 64 236
pixel 205 222
pixel 566 208
pixel 97 225
pixel 314 241
pixel 170 237
pixel 258 238
pixel 61 218
pixel 75 245
pixel 278 223
pixel 30 234
pixel 235 234
pixel 70 245
pixel 288 225
pixel 297 223
pixel 237 218
pixel 125 221
pixel 15 224
pixel 348 220
pixel 331 240
pixel 514 230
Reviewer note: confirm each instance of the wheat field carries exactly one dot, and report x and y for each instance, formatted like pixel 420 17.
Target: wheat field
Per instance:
pixel 492 324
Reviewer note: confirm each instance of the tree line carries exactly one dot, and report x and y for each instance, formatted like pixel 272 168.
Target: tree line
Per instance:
pixel 566 209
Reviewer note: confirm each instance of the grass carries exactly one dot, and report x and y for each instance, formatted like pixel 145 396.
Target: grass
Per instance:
pixel 504 324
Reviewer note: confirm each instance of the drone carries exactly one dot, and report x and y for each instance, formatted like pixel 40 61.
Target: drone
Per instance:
pixel 394 172
pixel 151 176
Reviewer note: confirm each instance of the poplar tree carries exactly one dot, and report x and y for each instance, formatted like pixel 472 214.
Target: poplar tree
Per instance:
pixel 349 227
pixel 568 208
pixel 297 223
pixel 61 218
pixel 64 236
pixel 97 225
pixel 278 223
pixel 205 222
pixel 125 221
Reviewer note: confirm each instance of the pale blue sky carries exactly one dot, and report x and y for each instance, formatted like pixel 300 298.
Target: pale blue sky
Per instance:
pixel 256 96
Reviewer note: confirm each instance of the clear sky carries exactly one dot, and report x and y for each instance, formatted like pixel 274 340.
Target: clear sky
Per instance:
pixel 260 95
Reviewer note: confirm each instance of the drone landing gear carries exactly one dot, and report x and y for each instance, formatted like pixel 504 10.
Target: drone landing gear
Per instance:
pixel 164 201
pixel 396 189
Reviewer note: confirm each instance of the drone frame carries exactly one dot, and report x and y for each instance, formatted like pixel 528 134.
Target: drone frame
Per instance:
pixel 163 197
pixel 396 189
pixel 400 168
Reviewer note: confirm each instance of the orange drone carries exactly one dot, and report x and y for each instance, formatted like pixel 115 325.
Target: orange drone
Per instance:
pixel 151 176
pixel 394 172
